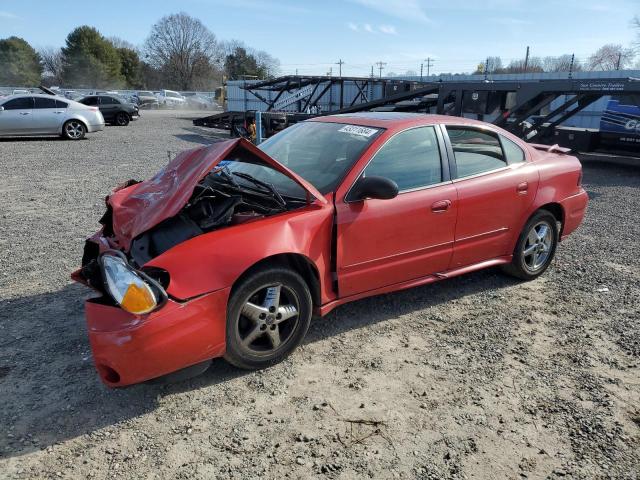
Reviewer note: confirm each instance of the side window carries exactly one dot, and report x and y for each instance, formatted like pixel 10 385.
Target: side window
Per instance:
pixel 91 101
pixel 512 151
pixel 61 104
pixel 41 102
pixel 411 159
pixel 23 103
pixel 475 151
pixel 106 101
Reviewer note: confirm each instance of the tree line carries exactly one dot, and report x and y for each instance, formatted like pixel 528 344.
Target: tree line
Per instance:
pixel 607 57
pixel 180 53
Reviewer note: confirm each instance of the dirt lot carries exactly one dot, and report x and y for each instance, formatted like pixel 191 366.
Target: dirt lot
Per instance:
pixel 476 377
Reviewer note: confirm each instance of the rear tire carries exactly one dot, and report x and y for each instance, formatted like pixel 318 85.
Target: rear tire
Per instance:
pixel 122 119
pixel 536 247
pixel 74 130
pixel 268 315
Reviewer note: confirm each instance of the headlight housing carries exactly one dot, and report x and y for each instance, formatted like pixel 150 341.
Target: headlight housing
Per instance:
pixel 134 291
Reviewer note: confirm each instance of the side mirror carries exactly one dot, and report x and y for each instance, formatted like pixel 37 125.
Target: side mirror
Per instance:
pixel 1 109
pixel 380 188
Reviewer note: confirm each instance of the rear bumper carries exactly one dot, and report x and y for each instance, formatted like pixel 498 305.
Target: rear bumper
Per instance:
pixel 129 349
pixel 95 128
pixel 574 208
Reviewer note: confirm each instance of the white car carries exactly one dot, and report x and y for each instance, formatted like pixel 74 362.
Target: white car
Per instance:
pixel 169 98
pixel 36 115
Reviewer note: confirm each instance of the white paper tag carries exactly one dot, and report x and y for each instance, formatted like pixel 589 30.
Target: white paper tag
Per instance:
pixel 357 130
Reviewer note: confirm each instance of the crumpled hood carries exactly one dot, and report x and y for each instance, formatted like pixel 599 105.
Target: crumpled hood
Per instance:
pixel 140 207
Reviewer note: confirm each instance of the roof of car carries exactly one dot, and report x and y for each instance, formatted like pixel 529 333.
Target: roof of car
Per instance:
pixel 394 119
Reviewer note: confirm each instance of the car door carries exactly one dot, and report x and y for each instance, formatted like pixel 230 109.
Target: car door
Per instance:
pixel 495 184
pixel 108 107
pixel 16 117
pixel 46 115
pixel 385 242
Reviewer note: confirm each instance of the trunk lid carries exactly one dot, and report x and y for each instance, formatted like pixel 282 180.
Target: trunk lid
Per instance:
pixel 141 206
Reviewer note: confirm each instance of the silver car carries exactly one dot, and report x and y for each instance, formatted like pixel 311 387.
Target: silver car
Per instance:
pixel 35 115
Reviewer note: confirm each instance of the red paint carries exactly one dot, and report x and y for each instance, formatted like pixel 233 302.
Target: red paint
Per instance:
pixel 382 246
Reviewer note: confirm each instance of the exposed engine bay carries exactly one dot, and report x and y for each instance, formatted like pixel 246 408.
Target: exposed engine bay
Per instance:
pixel 223 198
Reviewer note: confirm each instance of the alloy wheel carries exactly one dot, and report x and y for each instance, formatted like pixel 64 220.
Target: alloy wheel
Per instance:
pixel 268 319
pixel 74 130
pixel 537 248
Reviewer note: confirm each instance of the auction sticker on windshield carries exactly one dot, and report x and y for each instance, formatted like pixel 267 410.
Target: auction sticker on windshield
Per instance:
pixel 357 130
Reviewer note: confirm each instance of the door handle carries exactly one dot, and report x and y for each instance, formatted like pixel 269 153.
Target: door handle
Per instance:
pixel 25 113
pixel 522 188
pixel 440 206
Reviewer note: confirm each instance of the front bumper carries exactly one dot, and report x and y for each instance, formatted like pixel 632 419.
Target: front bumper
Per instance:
pixel 574 208
pixel 129 348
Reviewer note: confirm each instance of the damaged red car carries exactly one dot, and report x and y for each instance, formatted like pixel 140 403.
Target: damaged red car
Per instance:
pixel 230 249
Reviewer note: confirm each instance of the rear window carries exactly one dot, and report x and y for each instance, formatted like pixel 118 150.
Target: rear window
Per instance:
pixel 476 151
pixel 41 102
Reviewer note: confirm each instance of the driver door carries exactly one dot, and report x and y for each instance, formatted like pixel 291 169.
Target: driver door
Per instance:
pixel 385 242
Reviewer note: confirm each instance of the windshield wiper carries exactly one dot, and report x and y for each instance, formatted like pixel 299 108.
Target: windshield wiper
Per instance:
pixel 262 184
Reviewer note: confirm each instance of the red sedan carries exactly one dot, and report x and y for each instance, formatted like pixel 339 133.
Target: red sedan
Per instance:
pixel 230 249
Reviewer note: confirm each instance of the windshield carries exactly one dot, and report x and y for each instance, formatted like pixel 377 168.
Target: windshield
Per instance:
pixel 321 153
pixel 145 94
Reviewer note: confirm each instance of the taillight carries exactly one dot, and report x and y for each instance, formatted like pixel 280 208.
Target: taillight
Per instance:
pixel 94 109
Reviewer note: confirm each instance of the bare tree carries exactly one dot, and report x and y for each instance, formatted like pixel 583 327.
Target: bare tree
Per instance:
pixel 269 64
pixel 184 49
pixel 122 43
pixel 52 62
pixel 561 63
pixel 635 23
pixel 610 57
pixel 532 65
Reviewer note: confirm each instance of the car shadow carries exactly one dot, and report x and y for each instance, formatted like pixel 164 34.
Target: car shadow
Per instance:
pixel 50 392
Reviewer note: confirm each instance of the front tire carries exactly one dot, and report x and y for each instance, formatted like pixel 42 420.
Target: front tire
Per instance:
pixel 122 119
pixel 536 247
pixel 268 315
pixel 74 130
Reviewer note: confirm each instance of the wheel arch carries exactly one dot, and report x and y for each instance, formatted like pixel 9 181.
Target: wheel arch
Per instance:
pixel 555 209
pixel 297 262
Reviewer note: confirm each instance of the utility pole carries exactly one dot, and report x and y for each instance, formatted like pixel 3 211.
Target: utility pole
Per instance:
pixel 526 60
pixel 381 67
pixel 619 61
pixel 486 68
pixel 340 63
pixel 421 66
pixel 429 61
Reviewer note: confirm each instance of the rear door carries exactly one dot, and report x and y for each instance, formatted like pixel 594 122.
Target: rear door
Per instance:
pixel 385 242
pixel 16 118
pixel 46 116
pixel 496 185
pixel 109 106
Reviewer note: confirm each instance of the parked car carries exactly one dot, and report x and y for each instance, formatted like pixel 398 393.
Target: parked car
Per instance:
pixel 35 115
pixel 147 99
pixel 20 91
pixel 170 99
pixel 114 109
pixel 229 249
pixel 199 101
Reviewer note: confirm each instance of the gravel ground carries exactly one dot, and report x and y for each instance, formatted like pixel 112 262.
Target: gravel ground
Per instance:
pixel 477 377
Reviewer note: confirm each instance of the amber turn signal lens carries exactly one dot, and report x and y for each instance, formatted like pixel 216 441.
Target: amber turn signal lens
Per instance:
pixel 138 300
